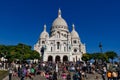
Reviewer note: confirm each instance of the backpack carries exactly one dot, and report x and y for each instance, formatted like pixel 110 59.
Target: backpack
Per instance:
pixel 24 72
pixel 32 70
pixel 78 75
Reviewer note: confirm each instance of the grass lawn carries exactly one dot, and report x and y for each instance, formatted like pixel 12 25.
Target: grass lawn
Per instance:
pixel 3 74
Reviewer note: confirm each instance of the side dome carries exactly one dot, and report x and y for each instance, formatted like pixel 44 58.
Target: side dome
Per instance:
pixel 44 34
pixel 74 33
pixel 59 23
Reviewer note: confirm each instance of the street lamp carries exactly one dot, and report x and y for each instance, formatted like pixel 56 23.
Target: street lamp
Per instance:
pixel 101 51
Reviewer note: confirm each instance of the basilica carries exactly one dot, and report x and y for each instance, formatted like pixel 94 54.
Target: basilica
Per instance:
pixel 60 44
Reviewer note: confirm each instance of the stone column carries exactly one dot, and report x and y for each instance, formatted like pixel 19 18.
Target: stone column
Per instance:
pixel 53 58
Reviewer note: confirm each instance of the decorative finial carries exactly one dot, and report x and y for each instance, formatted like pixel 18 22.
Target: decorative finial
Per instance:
pixel 73 26
pixel 44 27
pixel 59 13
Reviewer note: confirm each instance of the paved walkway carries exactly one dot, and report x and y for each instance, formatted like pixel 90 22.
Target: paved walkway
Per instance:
pixel 6 78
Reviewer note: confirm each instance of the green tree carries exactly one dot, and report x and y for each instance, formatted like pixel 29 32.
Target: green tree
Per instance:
pixel 20 51
pixel 3 50
pixel 111 55
pixel 99 57
pixel 105 58
pixel 35 55
pixel 86 57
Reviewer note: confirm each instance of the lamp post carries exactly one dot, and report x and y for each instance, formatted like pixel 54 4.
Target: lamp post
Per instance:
pixel 101 51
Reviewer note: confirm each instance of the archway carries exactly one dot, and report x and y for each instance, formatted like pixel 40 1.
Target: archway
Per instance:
pixel 65 58
pixel 57 58
pixel 50 58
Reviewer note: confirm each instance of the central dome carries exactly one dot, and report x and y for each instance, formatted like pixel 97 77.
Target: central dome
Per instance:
pixel 59 23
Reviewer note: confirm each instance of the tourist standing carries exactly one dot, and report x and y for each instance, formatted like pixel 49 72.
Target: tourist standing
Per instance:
pixel 55 75
pixel 115 75
pixel 10 74
pixel 68 76
pixel 109 75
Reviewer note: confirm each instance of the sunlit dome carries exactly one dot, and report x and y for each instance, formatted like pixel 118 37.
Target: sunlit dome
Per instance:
pixel 59 22
pixel 74 33
pixel 44 34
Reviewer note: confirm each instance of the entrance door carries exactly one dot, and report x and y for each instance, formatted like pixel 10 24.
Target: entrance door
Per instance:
pixel 50 58
pixel 65 58
pixel 57 58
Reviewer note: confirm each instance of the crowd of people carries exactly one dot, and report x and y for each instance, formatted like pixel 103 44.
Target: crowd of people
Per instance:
pixel 64 71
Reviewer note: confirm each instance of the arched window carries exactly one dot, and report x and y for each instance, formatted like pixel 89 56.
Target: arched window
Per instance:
pixel 58 45
pixel 57 58
pixel 50 58
pixel 65 58
pixel 51 49
pixel 58 34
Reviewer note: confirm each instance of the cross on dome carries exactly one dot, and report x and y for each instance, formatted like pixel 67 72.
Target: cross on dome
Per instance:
pixel 73 26
pixel 59 12
pixel 44 27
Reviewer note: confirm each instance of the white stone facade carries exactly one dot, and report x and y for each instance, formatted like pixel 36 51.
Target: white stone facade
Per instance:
pixel 61 44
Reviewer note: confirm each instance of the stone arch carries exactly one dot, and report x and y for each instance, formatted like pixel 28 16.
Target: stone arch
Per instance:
pixel 57 58
pixel 65 58
pixel 50 58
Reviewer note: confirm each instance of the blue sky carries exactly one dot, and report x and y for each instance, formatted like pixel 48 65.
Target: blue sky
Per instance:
pixel 21 21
